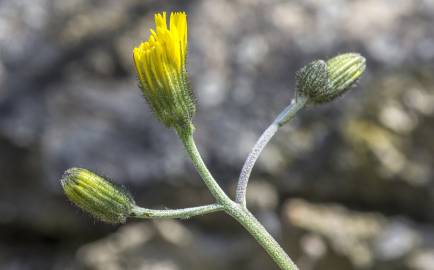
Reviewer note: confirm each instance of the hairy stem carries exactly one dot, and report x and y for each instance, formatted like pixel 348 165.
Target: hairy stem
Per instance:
pixel 139 212
pixel 241 214
pixel 287 114
pixel 243 180
pixel 262 236
pixel 216 191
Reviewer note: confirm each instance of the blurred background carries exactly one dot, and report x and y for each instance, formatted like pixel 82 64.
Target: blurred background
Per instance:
pixel 347 185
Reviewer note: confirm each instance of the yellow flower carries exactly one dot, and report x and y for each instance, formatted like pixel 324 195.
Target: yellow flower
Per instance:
pixel 161 67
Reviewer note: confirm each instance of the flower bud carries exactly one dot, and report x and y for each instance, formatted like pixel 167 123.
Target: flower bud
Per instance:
pixel 343 71
pixel 322 81
pixel 312 80
pixel 97 196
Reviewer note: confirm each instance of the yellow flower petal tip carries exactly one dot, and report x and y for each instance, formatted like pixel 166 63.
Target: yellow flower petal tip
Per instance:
pixel 161 68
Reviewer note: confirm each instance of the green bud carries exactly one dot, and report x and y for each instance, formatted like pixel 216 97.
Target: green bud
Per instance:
pixel 97 196
pixel 322 81
pixel 312 80
pixel 343 71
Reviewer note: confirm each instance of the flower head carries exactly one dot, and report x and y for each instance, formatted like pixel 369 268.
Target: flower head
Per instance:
pixel 161 67
pixel 322 81
pixel 97 196
pixel 344 70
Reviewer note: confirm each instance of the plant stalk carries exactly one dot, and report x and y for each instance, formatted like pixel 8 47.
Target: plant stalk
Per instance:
pixel 286 115
pixel 262 236
pixel 139 212
pixel 238 212
pixel 189 144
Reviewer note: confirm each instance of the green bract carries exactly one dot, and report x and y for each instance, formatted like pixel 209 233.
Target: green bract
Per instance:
pixel 97 196
pixel 324 81
pixel 312 79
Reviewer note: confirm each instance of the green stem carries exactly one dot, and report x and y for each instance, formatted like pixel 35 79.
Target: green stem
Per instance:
pixel 262 236
pixel 238 212
pixel 287 114
pixel 189 144
pixel 139 212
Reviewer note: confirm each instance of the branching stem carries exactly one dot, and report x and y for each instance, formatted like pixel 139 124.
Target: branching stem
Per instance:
pixel 238 212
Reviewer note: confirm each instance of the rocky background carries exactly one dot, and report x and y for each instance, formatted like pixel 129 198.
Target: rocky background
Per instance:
pixel 348 185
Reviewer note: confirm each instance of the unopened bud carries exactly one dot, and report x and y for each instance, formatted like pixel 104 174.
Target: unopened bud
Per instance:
pixel 97 196
pixel 312 80
pixel 324 81
pixel 343 71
